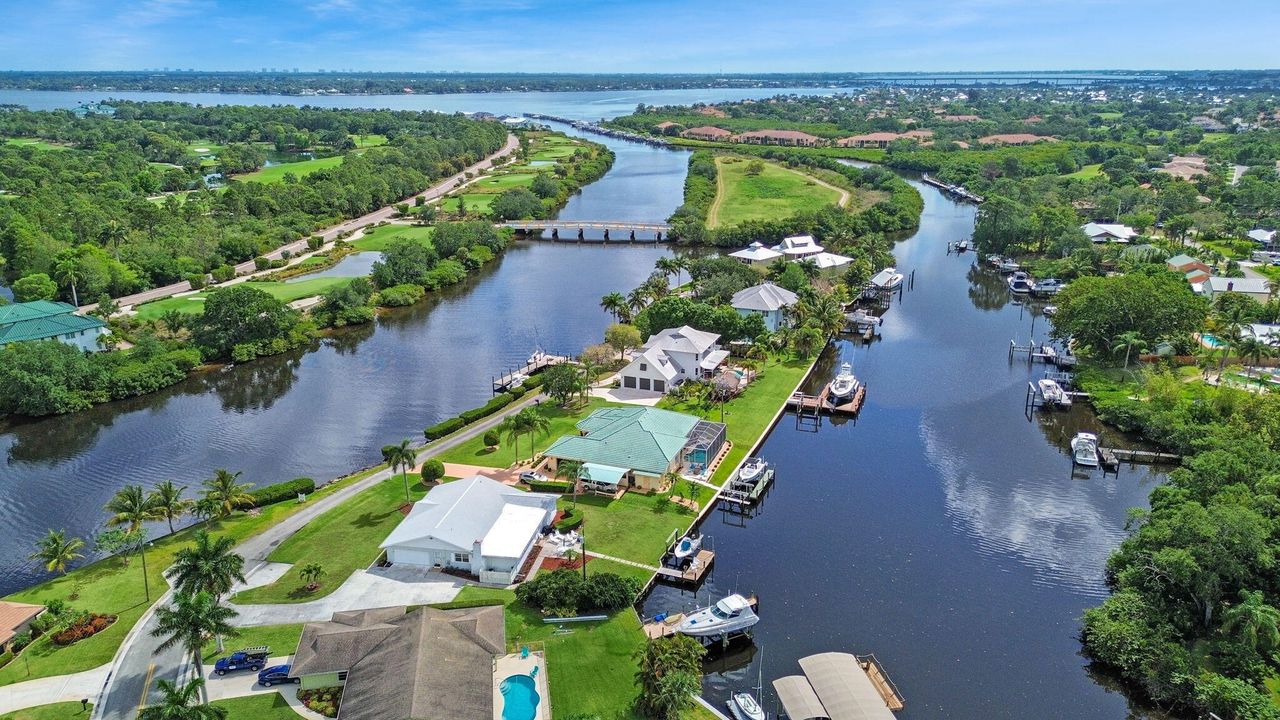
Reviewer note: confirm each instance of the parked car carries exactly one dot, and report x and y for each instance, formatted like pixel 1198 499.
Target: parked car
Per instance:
pixel 532 476
pixel 276 674
pixel 247 659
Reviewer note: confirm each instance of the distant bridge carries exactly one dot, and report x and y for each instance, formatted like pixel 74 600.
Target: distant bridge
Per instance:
pixel 576 230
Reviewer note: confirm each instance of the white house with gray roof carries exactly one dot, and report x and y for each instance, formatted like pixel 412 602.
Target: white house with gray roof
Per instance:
pixel 476 524
pixel 1257 288
pixel 1108 232
pixel 672 356
pixel 767 300
pixel 1266 238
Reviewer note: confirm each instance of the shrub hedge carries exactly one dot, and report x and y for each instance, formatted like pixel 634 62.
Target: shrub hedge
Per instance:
pixel 279 492
pixel 572 519
pixel 444 427
pixel 551 486
pixel 454 424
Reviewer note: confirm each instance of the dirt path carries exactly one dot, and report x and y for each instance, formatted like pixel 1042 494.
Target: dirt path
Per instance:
pixel 845 195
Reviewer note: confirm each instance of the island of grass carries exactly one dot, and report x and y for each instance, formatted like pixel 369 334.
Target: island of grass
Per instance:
pixel 376 239
pixel 752 189
pixel 53 711
pixel 276 173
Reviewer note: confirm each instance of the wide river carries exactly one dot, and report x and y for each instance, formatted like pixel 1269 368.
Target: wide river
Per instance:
pixel 943 531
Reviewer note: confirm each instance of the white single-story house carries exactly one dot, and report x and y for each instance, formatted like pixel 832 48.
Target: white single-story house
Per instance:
pixel 766 300
pixel 829 261
pixel 1108 232
pixel 476 524
pixel 798 247
pixel 1265 238
pixel 1257 288
pixel 756 254
pixel 672 356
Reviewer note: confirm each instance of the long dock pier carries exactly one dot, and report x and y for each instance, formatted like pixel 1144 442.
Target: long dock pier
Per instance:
pixel 537 362
pixel 823 402
pixel 1112 457
pixel 615 231
pixel 956 191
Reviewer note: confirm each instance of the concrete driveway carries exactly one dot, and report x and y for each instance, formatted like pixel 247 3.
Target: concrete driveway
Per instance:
pixel 627 396
pixel 377 587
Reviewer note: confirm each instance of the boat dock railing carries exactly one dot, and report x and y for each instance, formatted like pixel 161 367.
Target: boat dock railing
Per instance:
pixel 880 679
pixel 540 361
pixel 1145 457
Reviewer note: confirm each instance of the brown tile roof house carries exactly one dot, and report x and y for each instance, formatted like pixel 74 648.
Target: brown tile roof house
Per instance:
pixel 960 118
pixel 875 139
pixel 428 663
pixel 707 132
pixel 778 137
pixel 665 124
pixel 14 618
pixel 1014 139
pixel 918 134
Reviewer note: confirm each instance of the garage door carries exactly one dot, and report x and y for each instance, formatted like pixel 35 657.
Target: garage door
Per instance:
pixel 409 556
pixel 628 382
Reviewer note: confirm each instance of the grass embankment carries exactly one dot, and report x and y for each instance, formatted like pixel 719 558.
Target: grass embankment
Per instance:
pixel 264 706
pixel 283 291
pixel 282 639
pixel 276 173
pixel 773 193
pixel 342 540
pixel 377 239
pixel 39 145
pixel 563 422
pixel 634 527
pixel 54 711
pixel 371 140
pixel 114 586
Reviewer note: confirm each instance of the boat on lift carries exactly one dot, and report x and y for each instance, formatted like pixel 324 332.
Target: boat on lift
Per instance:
pixel 688 545
pixel 1007 265
pixel 1084 449
pixel 1020 283
pixel 1053 393
pixel 731 614
pixel 752 469
pixel 887 279
pixel 1050 310
pixel 845 383
pixel 1047 287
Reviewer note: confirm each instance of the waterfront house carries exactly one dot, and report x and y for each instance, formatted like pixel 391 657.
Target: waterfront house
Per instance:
pixel 755 254
pixel 396 665
pixel 1257 288
pixel 15 619
pixel 766 300
pixel 828 262
pixel 707 132
pixel 793 138
pixel 49 320
pixel 672 356
pixel 1265 238
pixel 798 247
pixel 477 525
pixel 1108 232
pixel 634 447
pixel 875 139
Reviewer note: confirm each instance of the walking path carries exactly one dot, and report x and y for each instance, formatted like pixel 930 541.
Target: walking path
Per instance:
pixel 61 688
pixel 434 192
pixel 632 563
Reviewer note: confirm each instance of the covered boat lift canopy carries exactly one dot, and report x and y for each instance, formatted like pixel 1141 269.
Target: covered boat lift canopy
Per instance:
pixel 834 686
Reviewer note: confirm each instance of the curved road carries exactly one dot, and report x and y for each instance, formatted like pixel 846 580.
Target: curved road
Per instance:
pixel 435 191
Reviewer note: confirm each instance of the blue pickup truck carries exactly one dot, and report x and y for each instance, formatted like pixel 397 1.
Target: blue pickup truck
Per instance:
pixel 253 658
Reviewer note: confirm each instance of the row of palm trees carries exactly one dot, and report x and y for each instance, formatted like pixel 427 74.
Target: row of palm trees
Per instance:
pixel 529 421
pixel 624 308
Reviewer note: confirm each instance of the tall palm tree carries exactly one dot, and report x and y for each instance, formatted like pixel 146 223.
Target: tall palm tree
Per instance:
pixel 131 507
pixel 615 303
pixel 168 502
pixel 535 424
pixel 182 702
pixel 401 456
pixel 209 566
pixel 1254 620
pixel 56 551
pixel 589 371
pixel 1251 348
pixel 669 266
pixel 190 620
pixel 67 272
pixel 1128 341
pixel 827 315
pixel 637 299
pixel 512 428
pixel 229 495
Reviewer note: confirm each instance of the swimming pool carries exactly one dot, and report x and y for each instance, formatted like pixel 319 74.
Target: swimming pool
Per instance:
pixel 1210 341
pixel 519 698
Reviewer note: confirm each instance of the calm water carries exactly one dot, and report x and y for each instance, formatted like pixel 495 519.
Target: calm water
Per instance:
pixel 353 265
pixel 943 531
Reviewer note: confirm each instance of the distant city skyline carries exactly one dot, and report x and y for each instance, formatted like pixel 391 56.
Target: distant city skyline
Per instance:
pixel 659 36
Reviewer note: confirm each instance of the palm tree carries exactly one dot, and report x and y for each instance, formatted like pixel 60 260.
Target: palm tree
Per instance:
pixel 168 502
pixel 535 424
pixel 131 507
pixel 669 266
pixel 1251 348
pixel 1128 341
pixel 1254 620
pixel 511 429
pixel 67 272
pixel 311 574
pixel 208 566
pixel 226 493
pixel 401 456
pixel 182 702
pixel 806 341
pixel 637 299
pixel 827 315
pixel 616 304
pixel 190 620
pixel 590 371
pixel 56 551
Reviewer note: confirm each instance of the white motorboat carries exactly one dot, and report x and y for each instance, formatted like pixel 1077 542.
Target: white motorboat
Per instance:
pixel 752 469
pixel 845 384
pixel 1050 310
pixel 1008 266
pixel 729 615
pixel 1020 283
pixel 887 279
pixel 963 246
pixel 744 706
pixel 1052 392
pixel 688 545
pixel 1047 287
pixel 1084 449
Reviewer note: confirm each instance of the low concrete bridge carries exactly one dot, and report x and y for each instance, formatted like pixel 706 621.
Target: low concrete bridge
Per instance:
pixel 576 230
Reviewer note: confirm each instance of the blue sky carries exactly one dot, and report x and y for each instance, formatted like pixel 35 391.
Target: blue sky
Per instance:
pixel 655 36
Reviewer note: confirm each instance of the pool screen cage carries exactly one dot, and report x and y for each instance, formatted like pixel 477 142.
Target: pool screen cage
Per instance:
pixel 705 441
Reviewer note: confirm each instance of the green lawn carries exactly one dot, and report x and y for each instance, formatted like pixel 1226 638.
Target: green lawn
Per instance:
pixel 282 639
pixel 501 182
pixel 263 706
pixel 190 304
pixel 547 147
pixel 563 422
pixel 276 173
pixel 371 140
pixel 285 292
pixel 115 587
pixel 634 527
pixel 378 238
pixel 1087 172
pixel 775 193
pixel 477 203
pixel 37 144
pixel 748 415
pixel 1213 137
pixel 342 540
pixel 55 711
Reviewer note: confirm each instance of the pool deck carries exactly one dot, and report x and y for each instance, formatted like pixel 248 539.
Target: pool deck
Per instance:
pixel 507 665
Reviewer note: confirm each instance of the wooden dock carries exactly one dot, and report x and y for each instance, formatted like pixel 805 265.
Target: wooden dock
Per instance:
pixel 880 679
pixel 700 566
pixel 1114 456
pixel 822 403
pixel 538 362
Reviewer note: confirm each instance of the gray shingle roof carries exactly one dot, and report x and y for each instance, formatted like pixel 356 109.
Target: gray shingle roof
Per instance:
pixel 765 297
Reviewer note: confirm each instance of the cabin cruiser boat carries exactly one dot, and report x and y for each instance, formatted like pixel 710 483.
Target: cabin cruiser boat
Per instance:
pixel 1052 392
pixel 688 545
pixel 1048 286
pixel 752 469
pixel 1007 266
pixel 729 615
pixel 1084 449
pixel 887 279
pixel 845 384
pixel 1020 283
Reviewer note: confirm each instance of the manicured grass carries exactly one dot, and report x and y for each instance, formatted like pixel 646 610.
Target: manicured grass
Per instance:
pixel 55 711
pixel 1087 172
pixel 563 422
pixel 288 292
pixel 342 540
pixel 547 147
pixel 190 304
pixel 282 639
pixel 504 181
pixel 115 586
pixel 477 203
pixel 371 140
pixel 748 415
pixel 600 565
pixel 775 193
pixel 1213 137
pixel 634 527
pixel 276 173
pixel 37 144
pixel 263 706
pixel 378 238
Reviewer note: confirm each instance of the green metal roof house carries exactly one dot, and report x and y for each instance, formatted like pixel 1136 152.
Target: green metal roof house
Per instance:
pixel 48 320
pixel 645 441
